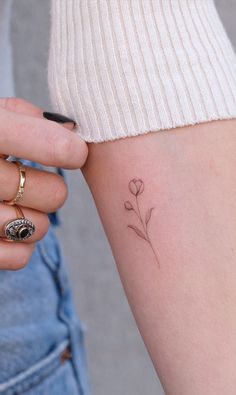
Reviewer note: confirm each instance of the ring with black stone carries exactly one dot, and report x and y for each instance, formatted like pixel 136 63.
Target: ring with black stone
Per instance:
pixel 20 228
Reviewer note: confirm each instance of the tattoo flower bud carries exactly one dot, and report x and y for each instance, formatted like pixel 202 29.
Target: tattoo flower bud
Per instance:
pixel 136 187
pixel 128 205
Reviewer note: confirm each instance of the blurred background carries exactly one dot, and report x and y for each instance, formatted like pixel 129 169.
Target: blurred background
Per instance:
pixel 117 358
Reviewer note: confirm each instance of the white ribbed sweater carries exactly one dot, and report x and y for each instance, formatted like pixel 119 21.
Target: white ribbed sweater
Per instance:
pixel 127 67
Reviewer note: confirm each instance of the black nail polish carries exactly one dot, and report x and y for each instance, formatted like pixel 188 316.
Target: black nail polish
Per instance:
pixel 51 116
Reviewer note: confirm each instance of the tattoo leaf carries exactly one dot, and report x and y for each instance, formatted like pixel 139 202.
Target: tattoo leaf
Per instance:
pixel 138 231
pixel 148 215
pixel 128 205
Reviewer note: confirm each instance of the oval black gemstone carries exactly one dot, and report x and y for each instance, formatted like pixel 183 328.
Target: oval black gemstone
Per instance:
pixel 23 232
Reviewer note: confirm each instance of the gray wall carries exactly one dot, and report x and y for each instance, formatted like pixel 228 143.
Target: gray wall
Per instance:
pixel 118 361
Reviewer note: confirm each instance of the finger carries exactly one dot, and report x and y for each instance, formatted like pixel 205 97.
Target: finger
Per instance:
pixel 15 256
pixel 44 191
pixel 40 140
pixel 22 106
pixel 40 220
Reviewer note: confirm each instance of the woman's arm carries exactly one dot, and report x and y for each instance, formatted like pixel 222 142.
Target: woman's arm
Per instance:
pixel 129 68
pixel 177 268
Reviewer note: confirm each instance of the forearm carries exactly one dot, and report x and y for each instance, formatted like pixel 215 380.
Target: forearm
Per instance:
pixel 180 278
pixel 128 68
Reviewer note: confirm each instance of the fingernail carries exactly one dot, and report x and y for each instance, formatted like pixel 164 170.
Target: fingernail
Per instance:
pixel 52 116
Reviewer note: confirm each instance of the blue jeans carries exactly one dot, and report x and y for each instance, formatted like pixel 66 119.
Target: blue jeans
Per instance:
pixel 42 350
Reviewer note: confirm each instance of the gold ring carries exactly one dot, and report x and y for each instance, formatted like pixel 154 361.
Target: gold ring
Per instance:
pixel 18 229
pixel 21 186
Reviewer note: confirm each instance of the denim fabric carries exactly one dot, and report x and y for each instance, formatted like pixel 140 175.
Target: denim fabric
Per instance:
pixel 37 322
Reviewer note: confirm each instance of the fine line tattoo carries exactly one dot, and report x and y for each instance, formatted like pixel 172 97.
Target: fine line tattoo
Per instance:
pixel 136 187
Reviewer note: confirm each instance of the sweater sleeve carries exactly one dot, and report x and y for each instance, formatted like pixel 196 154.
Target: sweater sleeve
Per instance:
pixel 128 67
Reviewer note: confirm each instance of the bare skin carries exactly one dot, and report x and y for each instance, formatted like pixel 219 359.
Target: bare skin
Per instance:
pixel 184 305
pixel 24 133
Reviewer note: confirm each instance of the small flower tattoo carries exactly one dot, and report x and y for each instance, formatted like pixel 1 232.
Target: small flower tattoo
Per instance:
pixel 136 187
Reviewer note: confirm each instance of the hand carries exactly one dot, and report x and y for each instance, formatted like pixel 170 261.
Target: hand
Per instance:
pixel 24 133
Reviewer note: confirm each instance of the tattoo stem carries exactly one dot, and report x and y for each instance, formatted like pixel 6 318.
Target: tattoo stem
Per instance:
pixel 145 231
pixel 154 252
pixel 140 217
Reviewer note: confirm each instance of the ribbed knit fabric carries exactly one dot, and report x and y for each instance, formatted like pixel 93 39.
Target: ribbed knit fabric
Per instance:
pixel 127 67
